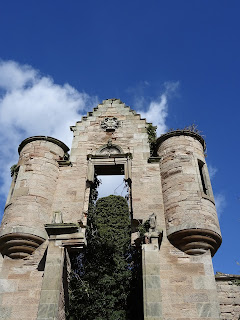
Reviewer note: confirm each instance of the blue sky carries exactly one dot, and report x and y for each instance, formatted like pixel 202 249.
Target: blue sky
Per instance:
pixel 177 62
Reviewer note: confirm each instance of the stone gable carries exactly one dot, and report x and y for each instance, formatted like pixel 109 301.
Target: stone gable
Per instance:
pixel 46 216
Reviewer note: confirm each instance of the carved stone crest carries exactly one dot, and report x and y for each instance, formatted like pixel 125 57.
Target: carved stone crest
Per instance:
pixel 110 124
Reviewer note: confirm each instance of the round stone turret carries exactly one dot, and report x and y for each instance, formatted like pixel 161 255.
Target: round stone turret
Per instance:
pixel 30 198
pixel 190 213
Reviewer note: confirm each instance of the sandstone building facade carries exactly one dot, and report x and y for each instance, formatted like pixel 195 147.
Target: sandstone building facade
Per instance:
pixel 46 215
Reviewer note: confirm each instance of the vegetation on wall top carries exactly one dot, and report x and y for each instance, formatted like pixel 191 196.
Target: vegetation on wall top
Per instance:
pixel 152 137
pixel 191 128
pixel 13 169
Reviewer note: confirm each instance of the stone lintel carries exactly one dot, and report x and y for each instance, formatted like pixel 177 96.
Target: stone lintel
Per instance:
pixel 106 156
pixel 71 241
pixel 66 235
pixel 61 228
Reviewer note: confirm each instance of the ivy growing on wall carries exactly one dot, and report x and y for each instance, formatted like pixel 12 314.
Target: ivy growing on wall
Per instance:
pixel 152 137
pixel 236 282
pixel 13 169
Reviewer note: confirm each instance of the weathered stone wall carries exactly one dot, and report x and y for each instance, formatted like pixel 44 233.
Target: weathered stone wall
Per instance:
pixel 229 296
pixel 20 285
pixel 72 191
pixel 188 288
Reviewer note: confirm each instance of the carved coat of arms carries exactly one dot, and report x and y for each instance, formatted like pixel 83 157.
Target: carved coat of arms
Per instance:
pixel 110 124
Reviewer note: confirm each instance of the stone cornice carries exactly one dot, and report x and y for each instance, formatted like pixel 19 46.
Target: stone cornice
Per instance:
pixel 46 138
pixel 226 277
pixel 175 133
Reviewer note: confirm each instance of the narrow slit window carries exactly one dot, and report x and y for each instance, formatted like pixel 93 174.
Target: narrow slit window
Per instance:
pixel 202 175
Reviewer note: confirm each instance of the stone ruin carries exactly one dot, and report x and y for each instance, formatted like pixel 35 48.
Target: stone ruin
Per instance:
pixel 45 218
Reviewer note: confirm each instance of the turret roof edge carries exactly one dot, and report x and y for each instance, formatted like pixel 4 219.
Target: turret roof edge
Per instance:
pixel 175 133
pixel 46 138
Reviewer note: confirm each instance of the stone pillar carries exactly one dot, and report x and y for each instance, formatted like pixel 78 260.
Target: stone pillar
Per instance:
pixel 62 236
pixel 52 283
pixel 152 300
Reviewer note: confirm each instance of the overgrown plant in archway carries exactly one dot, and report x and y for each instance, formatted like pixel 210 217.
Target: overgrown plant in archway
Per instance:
pixel 101 290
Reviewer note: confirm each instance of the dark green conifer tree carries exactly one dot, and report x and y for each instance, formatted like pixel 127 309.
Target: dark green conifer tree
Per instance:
pixel 101 289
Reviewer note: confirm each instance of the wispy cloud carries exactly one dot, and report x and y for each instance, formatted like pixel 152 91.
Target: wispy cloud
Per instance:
pixel 32 104
pixel 156 111
pixel 220 199
pixel 212 171
pixel 220 202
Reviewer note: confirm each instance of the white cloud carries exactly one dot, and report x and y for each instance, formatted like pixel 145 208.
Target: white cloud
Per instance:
pixel 14 76
pixel 220 202
pixel 32 104
pixel 212 171
pixel 157 110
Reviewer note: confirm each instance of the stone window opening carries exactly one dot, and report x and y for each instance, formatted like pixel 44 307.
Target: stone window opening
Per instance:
pixel 113 181
pixel 109 169
pixel 205 180
pixel 203 177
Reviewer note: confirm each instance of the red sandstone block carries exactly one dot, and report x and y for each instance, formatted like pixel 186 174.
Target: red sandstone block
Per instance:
pixel 21 276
